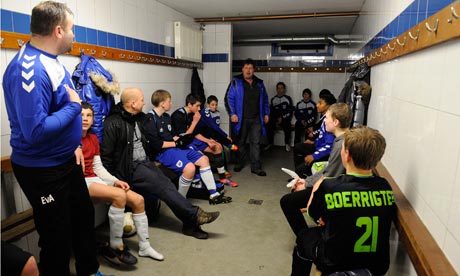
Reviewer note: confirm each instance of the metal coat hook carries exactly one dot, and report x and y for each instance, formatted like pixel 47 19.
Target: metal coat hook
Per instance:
pixel 1 40
pixel 434 29
pixel 453 12
pixel 20 42
pixel 416 35
pixel 377 53
pixel 401 43
pixel 382 51
pixel 103 53
pixel 391 48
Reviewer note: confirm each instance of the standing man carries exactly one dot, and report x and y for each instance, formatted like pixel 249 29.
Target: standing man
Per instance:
pixel 280 114
pixel 249 112
pixel 45 118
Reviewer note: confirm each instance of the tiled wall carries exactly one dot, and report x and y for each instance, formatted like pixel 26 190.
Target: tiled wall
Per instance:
pixel 415 106
pixel 390 20
pixel 217 62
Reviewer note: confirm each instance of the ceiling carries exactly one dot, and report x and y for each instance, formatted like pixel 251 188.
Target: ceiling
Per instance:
pixel 311 26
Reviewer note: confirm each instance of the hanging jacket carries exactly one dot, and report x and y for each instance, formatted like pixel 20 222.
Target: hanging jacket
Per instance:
pixel 197 89
pixel 96 86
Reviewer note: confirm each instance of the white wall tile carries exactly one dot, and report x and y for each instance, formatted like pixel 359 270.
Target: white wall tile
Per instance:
pixel 209 72
pixel 433 223
pixel 223 28
pixel 452 250
pixel 209 43
pixel 102 17
pixel 223 43
pixel 453 223
pixel 209 28
pixel 222 70
pixel 130 19
pixel 85 14
pixel 445 156
pixel 117 16
pixel 448 87
pixel 18 6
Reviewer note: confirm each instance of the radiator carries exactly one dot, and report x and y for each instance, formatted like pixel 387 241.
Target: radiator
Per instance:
pixel 188 42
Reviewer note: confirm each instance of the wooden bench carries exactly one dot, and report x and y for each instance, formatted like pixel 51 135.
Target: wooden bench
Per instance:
pixel 18 225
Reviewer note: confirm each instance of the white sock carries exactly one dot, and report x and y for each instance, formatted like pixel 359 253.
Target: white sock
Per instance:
pixel 208 178
pixel 184 185
pixel 116 219
pixel 145 249
pixel 221 170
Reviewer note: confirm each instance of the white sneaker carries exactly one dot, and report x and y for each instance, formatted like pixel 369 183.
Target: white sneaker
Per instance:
pixel 288 147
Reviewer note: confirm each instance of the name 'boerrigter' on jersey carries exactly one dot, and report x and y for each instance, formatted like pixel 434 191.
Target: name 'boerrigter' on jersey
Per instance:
pixel 349 199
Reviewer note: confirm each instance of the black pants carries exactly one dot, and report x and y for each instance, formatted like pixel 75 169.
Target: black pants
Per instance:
pixel 300 151
pixel 307 251
pixel 249 136
pixel 291 204
pixel 149 180
pixel 285 124
pixel 63 216
pixel 300 132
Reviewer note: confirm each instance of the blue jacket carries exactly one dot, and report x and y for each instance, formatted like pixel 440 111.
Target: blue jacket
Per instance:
pixel 45 125
pixel 235 97
pixel 101 101
pixel 323 143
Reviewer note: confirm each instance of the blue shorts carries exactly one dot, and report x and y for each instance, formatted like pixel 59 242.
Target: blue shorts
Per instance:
pixel 176 159
pixel 198 145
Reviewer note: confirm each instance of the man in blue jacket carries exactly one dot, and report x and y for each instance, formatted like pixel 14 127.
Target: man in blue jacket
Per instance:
pixel 248 107
pixel 44 112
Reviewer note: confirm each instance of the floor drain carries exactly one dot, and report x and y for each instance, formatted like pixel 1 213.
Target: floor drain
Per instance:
pixel 255 201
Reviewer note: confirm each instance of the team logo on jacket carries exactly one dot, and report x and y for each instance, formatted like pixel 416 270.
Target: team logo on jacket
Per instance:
pixel 179 164
pixel 169 127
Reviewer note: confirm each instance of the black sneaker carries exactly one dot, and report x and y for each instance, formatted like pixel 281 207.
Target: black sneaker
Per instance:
pixel 259 172
pixel 220 199
pixel 203 217
pixel 194 231
pixel 119 256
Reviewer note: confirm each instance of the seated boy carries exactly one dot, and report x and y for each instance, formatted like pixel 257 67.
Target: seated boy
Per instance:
pixel 318 150
pixel 104 187
pixel 209 127
pixel 305 114
pixel 337 121
pixel 181 160
pixel 185 121
pixel 354 213
pixel 280 114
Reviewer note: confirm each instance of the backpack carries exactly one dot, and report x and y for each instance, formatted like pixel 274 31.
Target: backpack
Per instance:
pixel 96 86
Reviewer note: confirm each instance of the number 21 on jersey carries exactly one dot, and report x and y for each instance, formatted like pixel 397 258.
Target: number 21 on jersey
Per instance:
pixel 370 234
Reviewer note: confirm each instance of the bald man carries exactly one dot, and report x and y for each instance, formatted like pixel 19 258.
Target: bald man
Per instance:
pixel 126 152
